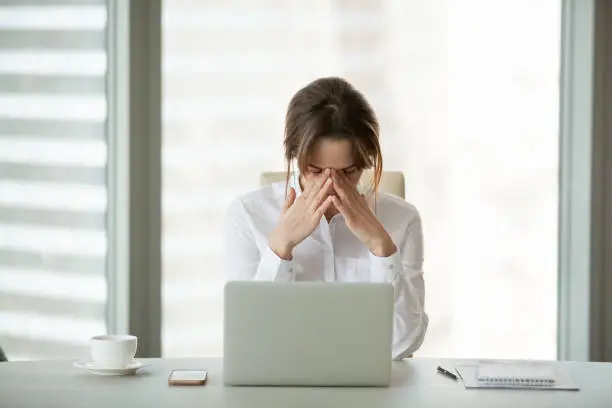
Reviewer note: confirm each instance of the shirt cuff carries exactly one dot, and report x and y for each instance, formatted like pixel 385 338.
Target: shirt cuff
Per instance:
pixel 385 269
pixel 273 268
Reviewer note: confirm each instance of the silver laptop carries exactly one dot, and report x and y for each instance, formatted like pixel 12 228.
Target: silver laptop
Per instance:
pixel 308 334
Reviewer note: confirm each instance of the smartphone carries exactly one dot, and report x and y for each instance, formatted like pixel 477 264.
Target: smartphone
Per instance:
pixel 187 377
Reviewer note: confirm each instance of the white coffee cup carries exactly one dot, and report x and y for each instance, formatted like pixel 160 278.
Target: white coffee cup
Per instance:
pixel 113 350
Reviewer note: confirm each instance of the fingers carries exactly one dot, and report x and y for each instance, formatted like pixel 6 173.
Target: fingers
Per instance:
pixel 327 187
pixel 320 212
pixel 289 200
pixel 341 185
pixel 313 188
pixel 337 201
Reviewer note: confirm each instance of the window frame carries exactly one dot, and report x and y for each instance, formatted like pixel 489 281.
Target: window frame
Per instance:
pixel 575 328
pixel 134 172
pixel 134 178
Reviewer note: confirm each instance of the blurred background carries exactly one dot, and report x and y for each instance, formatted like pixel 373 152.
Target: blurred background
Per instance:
pixel 467 93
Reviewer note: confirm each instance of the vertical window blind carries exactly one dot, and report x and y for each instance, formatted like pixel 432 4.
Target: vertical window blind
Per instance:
pixel 52 176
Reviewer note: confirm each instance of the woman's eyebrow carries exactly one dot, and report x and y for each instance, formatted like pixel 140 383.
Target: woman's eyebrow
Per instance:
pixel 344 169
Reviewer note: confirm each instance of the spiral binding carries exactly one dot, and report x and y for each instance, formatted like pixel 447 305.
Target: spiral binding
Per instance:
pixel 513 382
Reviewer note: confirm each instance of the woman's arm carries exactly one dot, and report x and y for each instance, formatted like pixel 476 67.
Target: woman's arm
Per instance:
pixel 243 259
pixel 398 263
pixel 404 270
pixel 298 219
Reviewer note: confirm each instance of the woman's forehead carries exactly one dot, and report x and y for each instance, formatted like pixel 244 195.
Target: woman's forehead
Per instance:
pixel 332 153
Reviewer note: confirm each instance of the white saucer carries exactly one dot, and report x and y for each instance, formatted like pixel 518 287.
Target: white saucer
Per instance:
pixel 134 366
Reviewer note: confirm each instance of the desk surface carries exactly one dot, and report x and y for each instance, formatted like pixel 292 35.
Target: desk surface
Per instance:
pixel 415 384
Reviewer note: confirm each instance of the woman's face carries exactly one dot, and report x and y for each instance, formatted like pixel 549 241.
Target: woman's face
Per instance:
pixel 334 154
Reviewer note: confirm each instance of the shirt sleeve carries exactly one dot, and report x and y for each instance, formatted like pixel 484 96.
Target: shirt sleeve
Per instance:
pixel 243 259
pixel 404 269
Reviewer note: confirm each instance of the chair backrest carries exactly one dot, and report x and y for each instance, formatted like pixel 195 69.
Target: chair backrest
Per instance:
pixel 391 182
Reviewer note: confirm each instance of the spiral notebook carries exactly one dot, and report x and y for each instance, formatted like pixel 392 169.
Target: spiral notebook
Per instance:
pixel 516 375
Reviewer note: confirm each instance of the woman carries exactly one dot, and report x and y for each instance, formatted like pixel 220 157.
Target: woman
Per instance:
pixel 318 226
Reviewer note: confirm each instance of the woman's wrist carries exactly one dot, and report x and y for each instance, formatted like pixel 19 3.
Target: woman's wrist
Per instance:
pixel 382 246
pixel 280 246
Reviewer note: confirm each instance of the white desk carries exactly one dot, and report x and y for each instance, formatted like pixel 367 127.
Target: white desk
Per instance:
pixel 415 384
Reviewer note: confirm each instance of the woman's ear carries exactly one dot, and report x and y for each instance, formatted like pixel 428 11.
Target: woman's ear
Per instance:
pixel 296 173
pixel 361 184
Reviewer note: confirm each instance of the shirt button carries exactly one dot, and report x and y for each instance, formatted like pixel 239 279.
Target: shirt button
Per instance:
pixel 390 267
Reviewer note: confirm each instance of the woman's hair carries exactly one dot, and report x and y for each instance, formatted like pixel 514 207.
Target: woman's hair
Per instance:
pixel 332 108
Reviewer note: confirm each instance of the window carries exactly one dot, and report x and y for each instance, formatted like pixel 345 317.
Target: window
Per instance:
pixel 52 177
pixel 468 103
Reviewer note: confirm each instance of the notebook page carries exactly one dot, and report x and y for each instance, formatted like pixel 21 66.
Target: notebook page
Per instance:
pixel 564 381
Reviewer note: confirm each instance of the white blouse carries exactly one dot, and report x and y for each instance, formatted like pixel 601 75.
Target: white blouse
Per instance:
pixel 333 254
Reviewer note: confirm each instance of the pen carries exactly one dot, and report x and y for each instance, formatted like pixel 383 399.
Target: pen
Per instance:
pixel 447 373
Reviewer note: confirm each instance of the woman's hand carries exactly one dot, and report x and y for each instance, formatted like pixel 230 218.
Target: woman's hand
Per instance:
pixel 359 217
pixel 301 216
